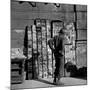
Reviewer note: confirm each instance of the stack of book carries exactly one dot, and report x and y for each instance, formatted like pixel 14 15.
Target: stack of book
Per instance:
pixel 44 47
pixel 49 52
pixel 30 43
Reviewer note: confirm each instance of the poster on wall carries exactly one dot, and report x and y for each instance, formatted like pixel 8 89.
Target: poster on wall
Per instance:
pixel 39 58
pixel 81 54
pixel 70 43
pixel 69 54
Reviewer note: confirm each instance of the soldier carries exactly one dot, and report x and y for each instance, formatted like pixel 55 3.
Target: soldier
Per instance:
pixel 56 44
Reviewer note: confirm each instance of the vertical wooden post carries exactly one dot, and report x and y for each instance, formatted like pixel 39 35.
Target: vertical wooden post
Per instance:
pixel 47 49
pixel 26 42
pixel 42 55
pixel 52 52
pixel 76 32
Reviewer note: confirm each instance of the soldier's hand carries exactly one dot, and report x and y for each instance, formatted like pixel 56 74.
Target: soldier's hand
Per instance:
pixel 61 52
pixel 53 50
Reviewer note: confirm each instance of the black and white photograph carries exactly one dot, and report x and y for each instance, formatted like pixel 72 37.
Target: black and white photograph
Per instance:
pixel 48 44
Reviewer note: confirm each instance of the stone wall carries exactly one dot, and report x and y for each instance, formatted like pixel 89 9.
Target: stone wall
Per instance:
pixel 81 44
pixel 24 14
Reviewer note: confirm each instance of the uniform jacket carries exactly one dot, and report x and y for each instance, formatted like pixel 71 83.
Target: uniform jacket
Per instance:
pixel 56 44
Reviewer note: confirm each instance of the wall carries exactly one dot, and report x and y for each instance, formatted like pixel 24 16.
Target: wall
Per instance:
pixel 81 43
pixel 24 14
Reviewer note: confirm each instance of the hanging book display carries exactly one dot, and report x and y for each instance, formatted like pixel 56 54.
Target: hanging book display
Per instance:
pixel 30 43
pixel 43 34
pixel 39 44
pixel 49 52
pixel 29 60
pixel 44 48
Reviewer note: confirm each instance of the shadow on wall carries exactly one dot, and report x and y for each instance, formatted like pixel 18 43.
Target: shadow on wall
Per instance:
pixel 76 72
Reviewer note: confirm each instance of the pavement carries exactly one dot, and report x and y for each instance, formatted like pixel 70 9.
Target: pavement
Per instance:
pixel 48 82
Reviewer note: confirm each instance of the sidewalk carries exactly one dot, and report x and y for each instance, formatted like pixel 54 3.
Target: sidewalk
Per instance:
pixel 67 81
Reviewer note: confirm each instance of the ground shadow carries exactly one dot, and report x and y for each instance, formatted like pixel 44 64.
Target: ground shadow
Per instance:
pixel 44 81
pixel 48 82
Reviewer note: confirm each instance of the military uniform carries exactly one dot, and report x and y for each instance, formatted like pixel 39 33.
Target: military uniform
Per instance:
pixel 56 44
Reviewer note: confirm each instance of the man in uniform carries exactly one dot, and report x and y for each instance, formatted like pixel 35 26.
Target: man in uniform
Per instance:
pixel 56 44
